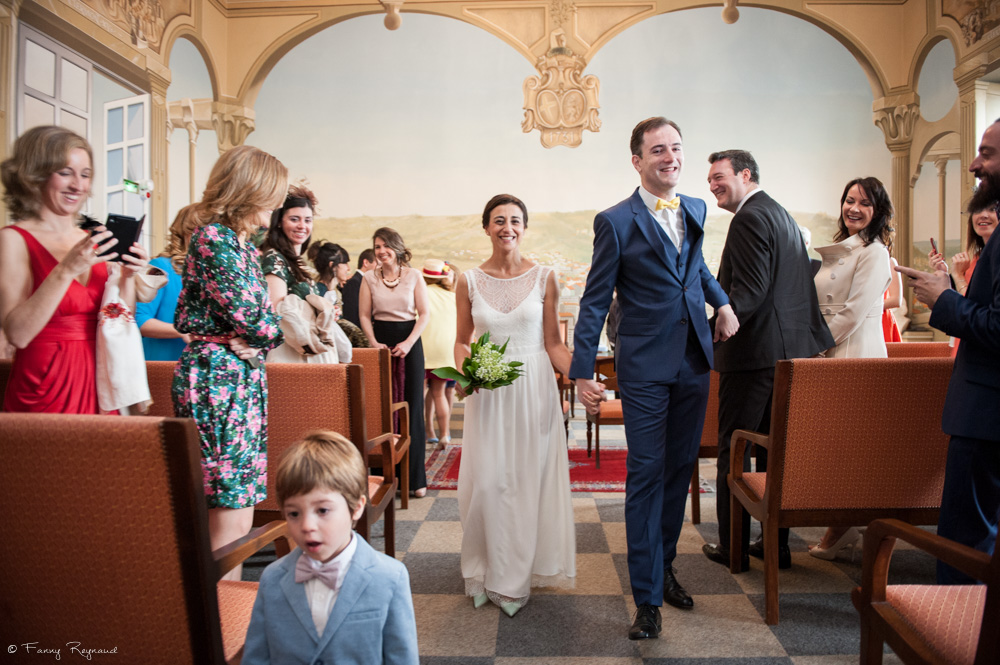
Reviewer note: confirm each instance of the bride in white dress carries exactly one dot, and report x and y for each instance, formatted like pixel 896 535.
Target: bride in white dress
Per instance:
pixel 513 483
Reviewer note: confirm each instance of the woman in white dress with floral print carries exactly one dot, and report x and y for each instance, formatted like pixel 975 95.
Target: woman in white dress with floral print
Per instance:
pixel 513 483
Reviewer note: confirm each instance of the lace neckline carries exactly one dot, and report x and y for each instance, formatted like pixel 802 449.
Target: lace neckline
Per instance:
pixel 507 279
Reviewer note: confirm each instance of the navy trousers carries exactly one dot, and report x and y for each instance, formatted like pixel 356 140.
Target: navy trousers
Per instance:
pixel 663 422
pixel 970 501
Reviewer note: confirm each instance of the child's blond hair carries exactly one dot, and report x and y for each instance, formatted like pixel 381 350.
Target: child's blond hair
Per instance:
pixel 322 460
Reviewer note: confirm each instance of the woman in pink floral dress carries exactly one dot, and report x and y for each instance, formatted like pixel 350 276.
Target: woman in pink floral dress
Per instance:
pixel 220 379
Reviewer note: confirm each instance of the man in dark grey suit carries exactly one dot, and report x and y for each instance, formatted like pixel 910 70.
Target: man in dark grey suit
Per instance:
pixel 766 273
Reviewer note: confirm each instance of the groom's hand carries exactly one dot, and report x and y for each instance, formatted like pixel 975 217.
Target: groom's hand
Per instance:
pixel 591 394
pixel 726 323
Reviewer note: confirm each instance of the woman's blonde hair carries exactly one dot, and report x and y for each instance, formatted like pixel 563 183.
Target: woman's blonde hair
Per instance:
pixel 180 235
pixel 322 460
pixel 38 153
pixel 244 181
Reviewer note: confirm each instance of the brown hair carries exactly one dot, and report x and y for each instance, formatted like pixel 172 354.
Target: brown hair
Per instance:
pixel 184 225
pixel 322 460
pixel 648 125
pixel 244 181
pixel 504 199
pixel 879 228
pixel 38 153
pixel 394 241
pixel 974 242
pixel 299 196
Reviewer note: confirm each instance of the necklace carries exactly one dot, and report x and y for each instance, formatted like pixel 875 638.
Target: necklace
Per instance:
pixel 390 283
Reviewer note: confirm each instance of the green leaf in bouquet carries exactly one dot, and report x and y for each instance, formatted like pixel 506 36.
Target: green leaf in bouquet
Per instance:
pixel 503 349
pixel 515 363
pixel 451 374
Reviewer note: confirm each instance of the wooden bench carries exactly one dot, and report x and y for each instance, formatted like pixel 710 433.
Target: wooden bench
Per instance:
pixel 302 398
pixel 110 544
pixel 852 440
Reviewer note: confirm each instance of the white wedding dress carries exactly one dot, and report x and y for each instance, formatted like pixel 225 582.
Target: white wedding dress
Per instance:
pixel 513 483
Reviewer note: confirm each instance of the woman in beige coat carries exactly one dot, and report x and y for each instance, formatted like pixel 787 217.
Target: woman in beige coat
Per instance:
pixel 850 286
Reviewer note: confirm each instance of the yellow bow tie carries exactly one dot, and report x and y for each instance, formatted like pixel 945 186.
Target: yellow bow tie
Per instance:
pixel 673 204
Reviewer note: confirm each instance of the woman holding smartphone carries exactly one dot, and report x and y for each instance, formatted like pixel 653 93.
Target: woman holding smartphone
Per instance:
pixel 53 273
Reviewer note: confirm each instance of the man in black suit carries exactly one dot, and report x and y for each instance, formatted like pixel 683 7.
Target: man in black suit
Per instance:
pixel 352 287
pixel 970 499
pixel 765 270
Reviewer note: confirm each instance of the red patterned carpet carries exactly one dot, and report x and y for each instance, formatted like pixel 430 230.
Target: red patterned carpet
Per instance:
pixel 442 470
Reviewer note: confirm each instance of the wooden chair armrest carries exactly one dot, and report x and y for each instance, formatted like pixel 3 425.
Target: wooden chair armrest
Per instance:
pixel 880 537
pixel 738 452
pixel 229 556
pixel 404 419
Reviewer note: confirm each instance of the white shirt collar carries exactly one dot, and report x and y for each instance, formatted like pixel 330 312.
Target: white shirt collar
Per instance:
pixel 747 197
pixel 649 199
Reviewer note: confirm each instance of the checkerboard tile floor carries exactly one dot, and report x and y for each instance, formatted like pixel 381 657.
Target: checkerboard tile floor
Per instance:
pixel 588 625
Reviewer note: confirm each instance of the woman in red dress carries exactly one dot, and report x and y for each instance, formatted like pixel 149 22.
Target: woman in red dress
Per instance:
pixel 52 274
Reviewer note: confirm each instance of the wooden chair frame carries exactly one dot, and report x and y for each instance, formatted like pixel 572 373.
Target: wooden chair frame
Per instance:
pixel 768 508
pixel 709 446
pixel 604 370
pixel 882 623
pixel 378 364
pixel 199 567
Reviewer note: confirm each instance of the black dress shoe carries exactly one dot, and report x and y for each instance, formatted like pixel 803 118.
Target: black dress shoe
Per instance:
pixel 674 593
pixel 646 625
pixel 720 554
pixel 756 549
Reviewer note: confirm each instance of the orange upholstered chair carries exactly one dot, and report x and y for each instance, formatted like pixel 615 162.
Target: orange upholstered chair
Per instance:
pixel 136 576
pixel 302 398
pixel 610 412
pixel 918 349
pixel 379 409
pixel 852 440
pixel 928 624
pixel 709 447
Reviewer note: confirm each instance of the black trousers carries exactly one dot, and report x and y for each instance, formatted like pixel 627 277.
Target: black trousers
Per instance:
pixel 392 333
pixel 744 403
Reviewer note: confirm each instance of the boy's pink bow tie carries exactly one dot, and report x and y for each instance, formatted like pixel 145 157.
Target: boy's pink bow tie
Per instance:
pixel 328 572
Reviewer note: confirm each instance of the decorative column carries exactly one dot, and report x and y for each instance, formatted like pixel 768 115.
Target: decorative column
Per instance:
pixel 232 124
pixel 942 170
pixel 972 108
pixel 896 116
pixel 159 150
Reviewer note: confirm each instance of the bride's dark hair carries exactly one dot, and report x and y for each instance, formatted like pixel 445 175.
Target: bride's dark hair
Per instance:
pixel 504 199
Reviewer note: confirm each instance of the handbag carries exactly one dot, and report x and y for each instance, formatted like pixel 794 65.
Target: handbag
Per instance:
pixel 121 363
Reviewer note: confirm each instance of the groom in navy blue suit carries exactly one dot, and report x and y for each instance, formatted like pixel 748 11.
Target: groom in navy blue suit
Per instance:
pixel 648 247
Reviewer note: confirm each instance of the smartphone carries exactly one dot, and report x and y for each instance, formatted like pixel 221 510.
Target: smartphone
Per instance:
pixel 126 230
pixel 934 246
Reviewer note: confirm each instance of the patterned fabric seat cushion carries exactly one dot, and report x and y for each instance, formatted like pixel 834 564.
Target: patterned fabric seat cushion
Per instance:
pixel 948 617
pixel 236 601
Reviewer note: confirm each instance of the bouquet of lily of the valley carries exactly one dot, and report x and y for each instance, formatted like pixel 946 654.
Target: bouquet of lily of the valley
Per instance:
pixel 484 368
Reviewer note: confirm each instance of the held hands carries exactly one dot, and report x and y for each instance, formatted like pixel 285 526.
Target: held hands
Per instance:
pixel 726 323
pixel 591 393
pixel 960 263
pixel 927 287
pixel 134 265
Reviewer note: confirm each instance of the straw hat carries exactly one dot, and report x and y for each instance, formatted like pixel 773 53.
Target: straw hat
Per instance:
pixel 435 269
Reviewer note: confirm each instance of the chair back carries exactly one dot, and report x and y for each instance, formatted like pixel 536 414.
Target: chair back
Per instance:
pixel 918 349
pixel 306 397
pixel 859 433
pixel 106 538
pixel 378 389
pixel 709 446
pixel 160 374
pixel 604 369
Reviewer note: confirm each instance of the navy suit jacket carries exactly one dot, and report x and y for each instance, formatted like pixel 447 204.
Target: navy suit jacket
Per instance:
pixel 971 408
pixel 660 302
pixel 372 620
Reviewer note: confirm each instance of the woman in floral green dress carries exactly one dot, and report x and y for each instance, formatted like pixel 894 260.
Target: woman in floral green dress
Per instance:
pixel 224 305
